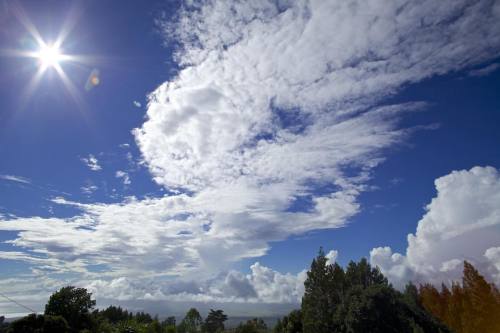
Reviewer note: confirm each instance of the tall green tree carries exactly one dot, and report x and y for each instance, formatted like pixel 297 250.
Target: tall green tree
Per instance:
pixel 359 299
pixel 74 305
pixel 317 303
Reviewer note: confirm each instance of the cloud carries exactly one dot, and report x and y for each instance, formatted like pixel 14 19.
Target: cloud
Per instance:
pixel 17 179
pixel 89 188
pixel 461 223
pixel 262 285
pixel 137 104
pixel 332 256
pixel 124 177
pixel 484 71
pixel 273 101
pixel 92 162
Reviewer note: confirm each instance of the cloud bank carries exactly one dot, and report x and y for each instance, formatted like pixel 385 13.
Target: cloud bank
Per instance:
pixel 271 128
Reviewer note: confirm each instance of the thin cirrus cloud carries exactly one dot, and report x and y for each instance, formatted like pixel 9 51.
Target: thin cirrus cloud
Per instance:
pixel 272 100
pixel 17 179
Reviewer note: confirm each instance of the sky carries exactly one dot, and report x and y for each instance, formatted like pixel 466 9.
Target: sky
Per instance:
pixel 199 153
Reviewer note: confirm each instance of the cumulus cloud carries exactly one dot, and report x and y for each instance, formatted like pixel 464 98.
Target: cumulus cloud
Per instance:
pixel 137 104
pixel 16 179
pixel 273 100
pixel 332 257
pixel 124 176
pixel 461 223
pixel 92 162
pixel 261 285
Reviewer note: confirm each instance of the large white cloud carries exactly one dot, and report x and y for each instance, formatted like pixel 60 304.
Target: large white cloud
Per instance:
pixel 461 223
pixel 273 101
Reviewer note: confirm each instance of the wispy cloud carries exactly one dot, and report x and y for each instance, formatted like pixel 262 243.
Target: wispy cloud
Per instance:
pixel 92 162
pixel 484 70
pixel 272 100
pixel 137 104
pixel 17 179
pixel 89 188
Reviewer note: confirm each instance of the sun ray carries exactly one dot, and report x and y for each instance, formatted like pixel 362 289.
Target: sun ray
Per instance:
pixel 70 88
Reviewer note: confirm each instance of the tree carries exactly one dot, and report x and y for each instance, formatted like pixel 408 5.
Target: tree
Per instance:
pixel 214 323
pixel 481 302
pixel 168 324
pixel 255 325
pixel 114 314
pixel 291 323
pixel 472 307
pixel 359 299
pixel 34 323
pixel 317 307
pixel 74 305
pixel 191 323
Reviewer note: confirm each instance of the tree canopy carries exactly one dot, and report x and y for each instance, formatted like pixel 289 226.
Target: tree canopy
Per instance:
pixel 73 304
pixel 359 299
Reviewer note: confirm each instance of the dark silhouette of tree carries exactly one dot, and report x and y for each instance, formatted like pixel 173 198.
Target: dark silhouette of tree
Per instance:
pixel 214 323
pixel 191 323
pixel 168 324
pixel 255 325
pixel 292 323
pixel 114 314
pixel 143 318
pixel 34 323
pixel 3 325
pixel 74 305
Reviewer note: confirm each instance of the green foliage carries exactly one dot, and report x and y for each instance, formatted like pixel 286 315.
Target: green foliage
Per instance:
pixel 255 325
pixel 34 323
pixel 191 323
pixel 323 287
pixel 214 323
pixel 74 305
pixel 170 329
pixel 168 325
pixel 292 323
pixel 359 299
pixel 115 314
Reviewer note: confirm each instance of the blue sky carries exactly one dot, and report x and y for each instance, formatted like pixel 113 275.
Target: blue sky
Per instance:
pixel 213 142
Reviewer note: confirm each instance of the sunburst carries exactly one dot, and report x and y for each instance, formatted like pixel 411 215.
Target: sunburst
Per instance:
pixel 49 55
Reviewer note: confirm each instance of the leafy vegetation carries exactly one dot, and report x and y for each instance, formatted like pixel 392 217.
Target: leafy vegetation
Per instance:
pixel 355 299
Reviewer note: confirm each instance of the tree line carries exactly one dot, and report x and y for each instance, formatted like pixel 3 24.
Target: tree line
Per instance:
pixel 355 299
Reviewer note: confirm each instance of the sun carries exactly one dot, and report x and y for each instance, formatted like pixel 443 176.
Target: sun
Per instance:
pixel 49 56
